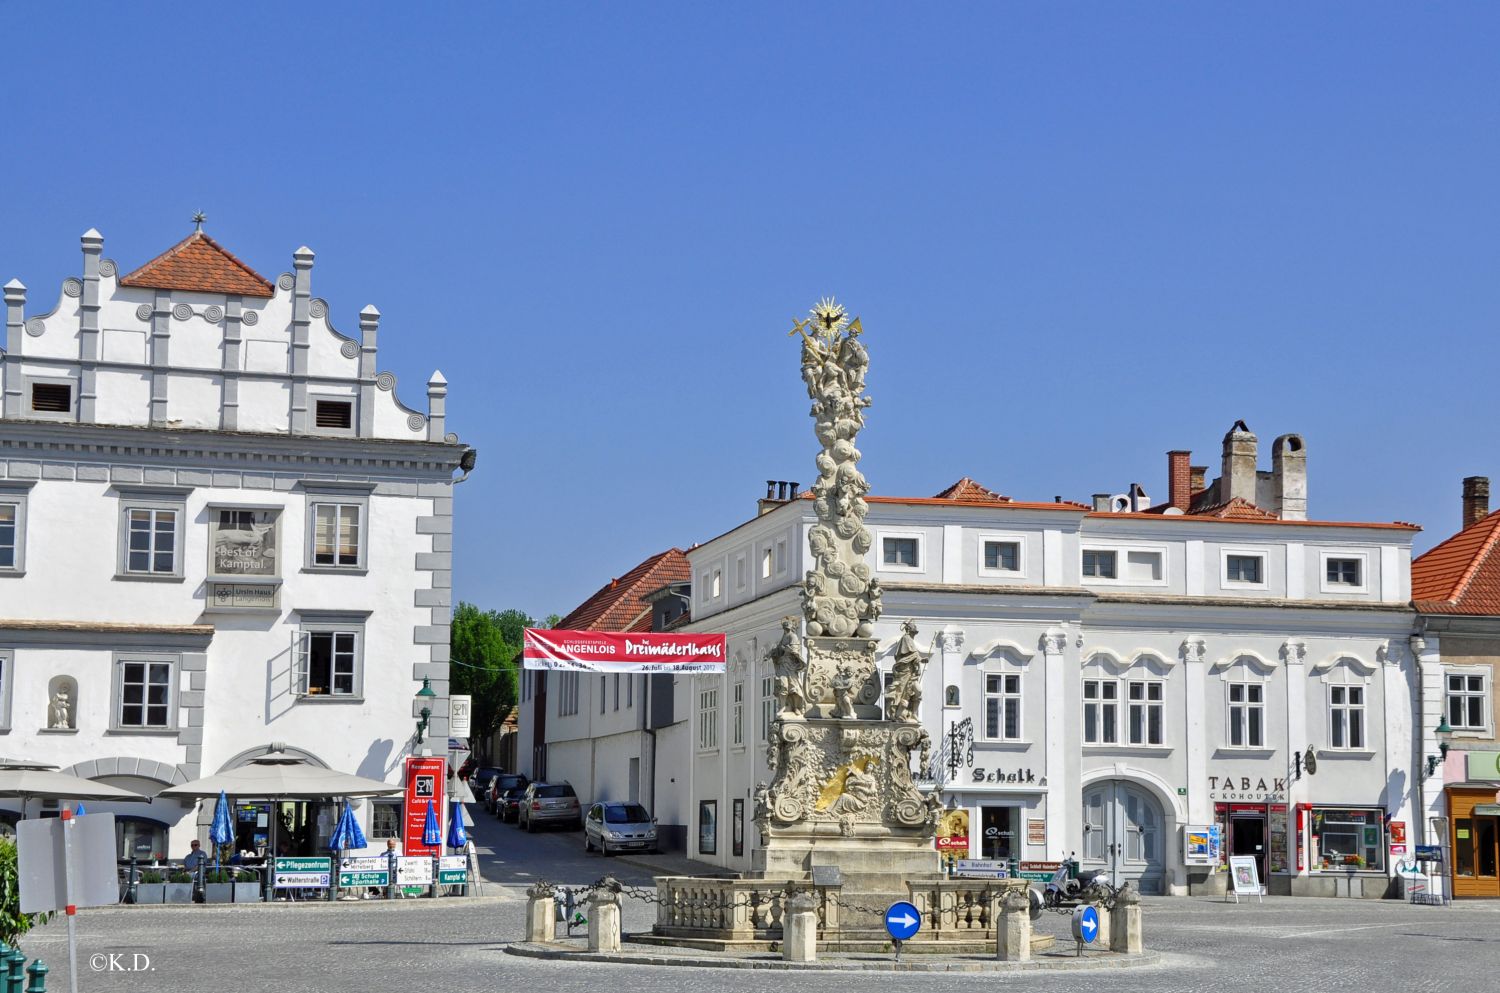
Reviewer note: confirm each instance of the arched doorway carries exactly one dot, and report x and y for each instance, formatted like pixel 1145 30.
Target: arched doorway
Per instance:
pixel 1123 834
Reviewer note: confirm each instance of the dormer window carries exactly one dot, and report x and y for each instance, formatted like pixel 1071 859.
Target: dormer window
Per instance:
pixel 335 415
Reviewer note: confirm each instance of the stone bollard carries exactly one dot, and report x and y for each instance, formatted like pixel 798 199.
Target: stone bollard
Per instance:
pixel 604 916
pixel 1013 930
pixel 1125 922
pixel 799 938
pixel 541 902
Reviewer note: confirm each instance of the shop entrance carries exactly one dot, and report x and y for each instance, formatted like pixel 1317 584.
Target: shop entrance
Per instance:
pixel 1475 843
pixel 1122 834
pixel 1247 836
pixel 997 833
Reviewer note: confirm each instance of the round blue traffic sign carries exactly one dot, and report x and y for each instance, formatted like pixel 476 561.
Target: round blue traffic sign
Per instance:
pixel 902 920
pixel 1085 924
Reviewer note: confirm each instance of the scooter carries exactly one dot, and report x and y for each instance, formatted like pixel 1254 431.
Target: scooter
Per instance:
pixel 1068 885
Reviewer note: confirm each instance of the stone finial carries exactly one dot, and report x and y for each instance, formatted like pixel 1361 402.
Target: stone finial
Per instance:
pixel 438 383
pixel 303 257
pixel 92 239
pixel 369 318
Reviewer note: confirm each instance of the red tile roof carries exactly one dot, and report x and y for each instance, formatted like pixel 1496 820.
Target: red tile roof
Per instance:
pixel 199 264
pixel 1238 509
pixel 968 491
pixel 621 605
pixel 1461 575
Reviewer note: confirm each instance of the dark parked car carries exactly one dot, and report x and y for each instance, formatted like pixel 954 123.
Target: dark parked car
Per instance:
pixel 480 781
pixel 498 785
pixel 619 827
pixel 508 804
pixel 550 803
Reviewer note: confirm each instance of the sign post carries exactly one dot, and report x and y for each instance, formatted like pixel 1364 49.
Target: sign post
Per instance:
pixel 1085 925
pixel 902 921
pixel 425 780
pixel 65 863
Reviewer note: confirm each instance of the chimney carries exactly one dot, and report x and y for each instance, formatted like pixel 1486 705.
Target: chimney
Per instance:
pixel 1179 480
pixel 1237 478
pixel 1101 503
pixel 1476 500
pixel 1197 479
pixel 1289 476
pixel 778 492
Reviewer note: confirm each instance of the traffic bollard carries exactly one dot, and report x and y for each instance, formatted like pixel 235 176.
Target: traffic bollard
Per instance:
pixel 38 974
pixel 1013 930
pixel 799 939
pixel 1125 922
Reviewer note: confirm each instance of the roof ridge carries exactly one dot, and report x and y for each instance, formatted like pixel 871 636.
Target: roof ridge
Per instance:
pixel 1479 558
pixel 145 275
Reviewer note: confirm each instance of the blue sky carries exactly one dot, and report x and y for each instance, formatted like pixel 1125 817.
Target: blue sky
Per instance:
pixel 1079 235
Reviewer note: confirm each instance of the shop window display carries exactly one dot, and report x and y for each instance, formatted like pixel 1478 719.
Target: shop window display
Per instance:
pixel 1349 839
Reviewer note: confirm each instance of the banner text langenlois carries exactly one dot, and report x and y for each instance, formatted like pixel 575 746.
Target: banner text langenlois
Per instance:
pixel 613 651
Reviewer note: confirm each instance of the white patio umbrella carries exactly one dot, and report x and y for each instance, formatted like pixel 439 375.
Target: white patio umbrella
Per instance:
pixel 22 780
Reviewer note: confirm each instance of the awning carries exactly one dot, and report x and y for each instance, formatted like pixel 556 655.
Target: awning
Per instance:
pixel 1487 810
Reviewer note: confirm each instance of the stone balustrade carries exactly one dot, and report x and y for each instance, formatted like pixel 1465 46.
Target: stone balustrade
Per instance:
pixel 731 909
pixel 961 908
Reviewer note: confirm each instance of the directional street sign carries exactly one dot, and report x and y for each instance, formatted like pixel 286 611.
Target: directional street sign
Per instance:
pixel 902 920
pixel 1085 924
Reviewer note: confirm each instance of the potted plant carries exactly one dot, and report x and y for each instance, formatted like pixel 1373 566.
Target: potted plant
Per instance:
pixel 149 888
pixel 246 886
pixel 218 886
pixel 179 888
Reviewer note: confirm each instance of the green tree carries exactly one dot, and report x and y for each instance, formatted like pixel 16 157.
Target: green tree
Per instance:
pixel 486 657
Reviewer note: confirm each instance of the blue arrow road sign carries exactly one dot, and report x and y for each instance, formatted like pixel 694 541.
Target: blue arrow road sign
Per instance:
pixel 1085 924
pixel 902 920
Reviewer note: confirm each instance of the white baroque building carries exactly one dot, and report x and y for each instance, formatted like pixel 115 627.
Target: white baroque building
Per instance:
pixel 219 529
pixel 1126 671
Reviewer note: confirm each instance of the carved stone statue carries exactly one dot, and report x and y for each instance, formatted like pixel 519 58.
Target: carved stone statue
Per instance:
pixel 904 695
pixel 843 694
pixel 60 711
pixel 791 670
pixel 859 788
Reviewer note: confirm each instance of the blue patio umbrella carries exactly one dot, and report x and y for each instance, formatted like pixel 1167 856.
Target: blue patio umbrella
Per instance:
pixel 221 832
pixel 79 811
pixel 431 833
pixel 456 836
pixel 346 833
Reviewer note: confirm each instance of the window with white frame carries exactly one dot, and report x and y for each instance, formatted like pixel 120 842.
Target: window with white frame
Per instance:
pixel 329 659
pixel 767 704
pixel 1343 571
pixel 767 558
pixel 1002 706
pixel 1098 564
pixel 1468 700
pixel 1144 700
pixel 151 523
pixel 385 819
pixel 1101 711
pixel 708 718
pixel 1247 714
pixel 1346 715
pixel 337 528
pixel 13 496
pixel 737 721
pixel 1244 569
pixel 1002 556
pixel 145 693
pixel 900 552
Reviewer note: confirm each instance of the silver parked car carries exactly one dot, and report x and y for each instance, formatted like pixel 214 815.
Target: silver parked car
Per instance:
pixel 619 827
pixel 549 803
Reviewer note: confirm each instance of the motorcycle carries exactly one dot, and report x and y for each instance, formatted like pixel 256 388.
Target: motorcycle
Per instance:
pixel 1068 886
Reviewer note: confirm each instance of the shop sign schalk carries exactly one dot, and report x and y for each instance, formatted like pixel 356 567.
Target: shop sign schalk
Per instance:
pixel 999 776
pixel 1246 788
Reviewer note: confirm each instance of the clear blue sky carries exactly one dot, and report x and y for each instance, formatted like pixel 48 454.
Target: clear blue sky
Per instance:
pixel 1079 235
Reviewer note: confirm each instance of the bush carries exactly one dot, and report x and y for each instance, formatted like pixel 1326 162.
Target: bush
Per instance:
pixel 13 923
pixel 180 876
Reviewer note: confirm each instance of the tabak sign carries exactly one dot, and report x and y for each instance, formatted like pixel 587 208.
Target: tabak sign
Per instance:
pixel 613 651
pixel 425 777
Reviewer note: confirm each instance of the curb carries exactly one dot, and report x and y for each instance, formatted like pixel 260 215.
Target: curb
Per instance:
pixel 1047 963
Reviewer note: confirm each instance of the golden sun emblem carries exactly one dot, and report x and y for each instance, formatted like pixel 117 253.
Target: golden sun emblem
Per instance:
pixel 828 320
pixel 830 316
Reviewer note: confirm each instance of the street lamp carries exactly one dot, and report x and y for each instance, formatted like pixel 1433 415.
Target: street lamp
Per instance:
pixel 425 696
pixel 1444 732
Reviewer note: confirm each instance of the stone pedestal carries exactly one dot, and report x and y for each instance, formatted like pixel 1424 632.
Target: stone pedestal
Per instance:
pixel 604 917
pixel 800 930
pixel 541 910
pixel 1013 929
pixel 1125 922
pixel 1102 940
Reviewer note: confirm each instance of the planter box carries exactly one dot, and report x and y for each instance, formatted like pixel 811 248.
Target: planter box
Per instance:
pixel 150 892
pixel 218 892
pixel 246 892
pixel 178 892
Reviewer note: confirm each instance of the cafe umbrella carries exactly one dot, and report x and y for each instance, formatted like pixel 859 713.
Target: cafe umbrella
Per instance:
pixel 347 833
pixel 22 780
pixel 432 835
pixel 457 839
pixel 221 832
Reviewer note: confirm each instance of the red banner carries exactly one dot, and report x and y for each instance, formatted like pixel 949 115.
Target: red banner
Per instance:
pixel 611 651
pixel 425 777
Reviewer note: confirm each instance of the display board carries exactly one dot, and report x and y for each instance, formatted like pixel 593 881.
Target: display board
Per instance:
pixel 1244 877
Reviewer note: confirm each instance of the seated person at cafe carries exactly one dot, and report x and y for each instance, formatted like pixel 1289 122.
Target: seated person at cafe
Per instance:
pixel 196 858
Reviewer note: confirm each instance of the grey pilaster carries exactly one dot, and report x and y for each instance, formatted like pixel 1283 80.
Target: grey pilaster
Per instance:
pixel 302 261
pixel 15 334
pixel 234 313
pixel 369 325
pixel 88 325
pixel 437 406
pixel 161 338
